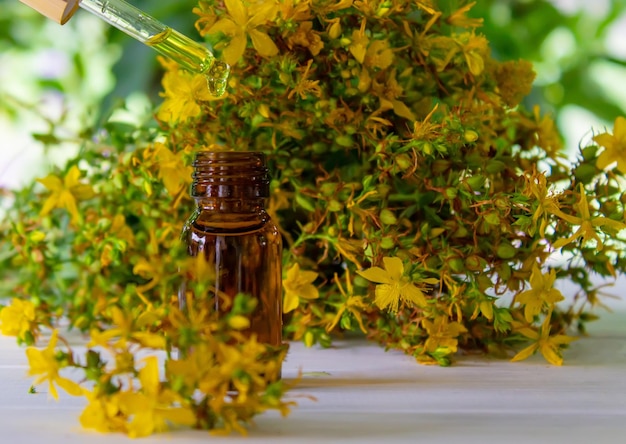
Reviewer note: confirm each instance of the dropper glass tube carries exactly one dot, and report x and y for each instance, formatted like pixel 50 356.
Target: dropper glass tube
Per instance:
pixel 189 54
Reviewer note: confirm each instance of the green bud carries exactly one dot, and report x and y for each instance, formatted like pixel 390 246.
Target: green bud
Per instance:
pixel 470 136
pixel 403 161
pixel 492 218
pixel 475 263
pixel 451 192
pixel 327 189
pixel 334 206
pixel 585 172
pixel 506 251
pixel 456 265
pixel 344 141
pixel 387 243
pixel 589 153
pixel 387 217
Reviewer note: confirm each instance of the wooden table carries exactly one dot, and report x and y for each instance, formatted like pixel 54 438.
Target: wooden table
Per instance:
pixel 367 395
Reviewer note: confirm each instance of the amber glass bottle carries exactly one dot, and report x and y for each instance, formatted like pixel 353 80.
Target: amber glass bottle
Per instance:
pixel 236 236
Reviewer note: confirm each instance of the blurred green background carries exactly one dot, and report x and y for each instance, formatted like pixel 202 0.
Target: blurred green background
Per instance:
pixel 56 81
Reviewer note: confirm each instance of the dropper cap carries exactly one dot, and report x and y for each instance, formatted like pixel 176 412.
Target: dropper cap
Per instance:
pixel 58 10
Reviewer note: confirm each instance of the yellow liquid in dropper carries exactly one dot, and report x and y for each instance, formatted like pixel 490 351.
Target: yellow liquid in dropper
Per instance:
pixel 192 56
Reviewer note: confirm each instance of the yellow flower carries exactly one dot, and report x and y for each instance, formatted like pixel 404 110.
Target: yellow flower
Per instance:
pixel 536 189
pixel 65 193
pixel 298 285
pixel 442 334
pixel 176 176
pixel 388 94
pixel 359 42
pixel 541 293
pixel 475 49
pixel 304 87
pixel 103 414
pixel 153 409
pixel 16 319
pixel 126 326
pixel 378 55
pixel 546 133
pixel 393 286
pixel 241 22
pixel 44 365
pixel 614 146
pixel 549 346
pixel 183 92
pixel 587 224
pixel 306 37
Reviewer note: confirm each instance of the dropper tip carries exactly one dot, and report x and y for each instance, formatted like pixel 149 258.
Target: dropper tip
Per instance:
pixel 217 78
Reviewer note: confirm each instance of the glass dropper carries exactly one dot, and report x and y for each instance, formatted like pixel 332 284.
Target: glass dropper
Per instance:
pixel 189 54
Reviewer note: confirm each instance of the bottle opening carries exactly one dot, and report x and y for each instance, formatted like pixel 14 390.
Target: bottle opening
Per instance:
pixel 230 174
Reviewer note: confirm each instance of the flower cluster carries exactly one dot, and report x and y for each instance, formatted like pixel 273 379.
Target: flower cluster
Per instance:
pixel 412 188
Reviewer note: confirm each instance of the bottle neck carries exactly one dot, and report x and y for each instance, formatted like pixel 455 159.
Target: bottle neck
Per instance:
pixel 225 181
pixel 225 205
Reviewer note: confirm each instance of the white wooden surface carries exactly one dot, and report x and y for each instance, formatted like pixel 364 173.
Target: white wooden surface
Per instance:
pixel 372 396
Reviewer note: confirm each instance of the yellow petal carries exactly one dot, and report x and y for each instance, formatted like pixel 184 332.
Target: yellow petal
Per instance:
pixel 306 277
pixel 394 267
pixel 36 361
pixel 72 177
pixel 402 110
pixel 309 292
pixel 605 139
pixel 67 200
pixel 553 295
pixel 475 62
pixel 528 332
pixel 550 354
pixel 53 390
pixel 264 45
pixel 413 294
pixel 562 339
pixel 239 322
pixel 619 128
pixel 387 296
pixel 290 302
pixel 606 158
pixel 143 424
pixel 181 415
pixel 237 11
pixel 261 13
pixel 525 353
pixel 82 191
pixel 150 340
pixel 235 49
pixel 486 308
pixel 149 375
pixel 605 221
pixel 562 242
pixel 49 205
pixel 51 182
pixel 532 308
pixel 69 386
pixel 225 26
pixel 376 274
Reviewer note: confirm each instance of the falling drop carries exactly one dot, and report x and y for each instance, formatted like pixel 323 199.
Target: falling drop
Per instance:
pixel 217 77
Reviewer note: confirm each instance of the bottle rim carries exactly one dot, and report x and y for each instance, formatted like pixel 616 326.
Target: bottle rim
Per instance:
pixel 230 174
